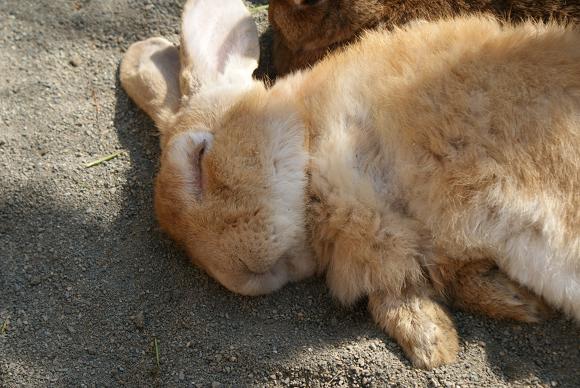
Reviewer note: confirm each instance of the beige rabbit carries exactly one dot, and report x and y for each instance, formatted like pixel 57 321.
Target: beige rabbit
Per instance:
pixel 396 167
pixel 305 30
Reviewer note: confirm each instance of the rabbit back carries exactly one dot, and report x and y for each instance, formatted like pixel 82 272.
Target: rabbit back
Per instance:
pixel 304 33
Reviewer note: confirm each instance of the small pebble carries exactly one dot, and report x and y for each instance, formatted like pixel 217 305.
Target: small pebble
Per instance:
pixel 75 61
pixel 139 320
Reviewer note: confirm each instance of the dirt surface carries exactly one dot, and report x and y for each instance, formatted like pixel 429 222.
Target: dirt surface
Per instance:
pixel 93 294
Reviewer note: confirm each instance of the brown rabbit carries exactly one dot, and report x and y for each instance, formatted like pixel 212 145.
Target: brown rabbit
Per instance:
pixel 407 154
pixel 305 30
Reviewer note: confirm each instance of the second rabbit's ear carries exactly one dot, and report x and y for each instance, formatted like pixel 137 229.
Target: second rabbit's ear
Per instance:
pixel 219 45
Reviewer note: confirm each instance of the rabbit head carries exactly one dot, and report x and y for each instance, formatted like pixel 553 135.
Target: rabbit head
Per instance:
pixel 232 179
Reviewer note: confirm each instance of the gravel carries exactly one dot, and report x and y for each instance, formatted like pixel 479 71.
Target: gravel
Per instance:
pixel 93 294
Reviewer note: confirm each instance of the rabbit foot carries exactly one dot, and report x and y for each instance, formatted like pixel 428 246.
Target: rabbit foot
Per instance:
pixel 481 287
pixel 421 327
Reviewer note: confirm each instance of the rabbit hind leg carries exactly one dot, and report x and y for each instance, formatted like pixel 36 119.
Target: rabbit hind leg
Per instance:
pixel 480 287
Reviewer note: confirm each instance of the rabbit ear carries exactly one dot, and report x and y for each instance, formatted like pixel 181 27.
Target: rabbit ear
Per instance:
pixel 219 45
pixel 149 74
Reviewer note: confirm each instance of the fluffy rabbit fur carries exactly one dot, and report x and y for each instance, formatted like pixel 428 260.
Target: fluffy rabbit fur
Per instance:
pixel 305 30
pixel 409 157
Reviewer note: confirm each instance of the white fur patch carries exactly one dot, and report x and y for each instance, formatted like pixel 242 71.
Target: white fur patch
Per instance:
pixel 288 160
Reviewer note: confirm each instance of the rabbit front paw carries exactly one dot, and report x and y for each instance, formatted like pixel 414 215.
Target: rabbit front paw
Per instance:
pixel 420 326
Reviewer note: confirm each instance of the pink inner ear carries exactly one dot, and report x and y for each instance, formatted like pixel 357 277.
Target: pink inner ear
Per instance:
pixel 217 35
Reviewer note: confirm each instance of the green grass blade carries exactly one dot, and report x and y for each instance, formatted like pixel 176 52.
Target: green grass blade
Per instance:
pixel 103 159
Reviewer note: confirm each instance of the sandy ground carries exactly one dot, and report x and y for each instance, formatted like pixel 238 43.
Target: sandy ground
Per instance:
pixel 93 294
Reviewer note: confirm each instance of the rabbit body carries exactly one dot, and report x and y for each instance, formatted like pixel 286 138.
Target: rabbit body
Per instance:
pixel 305 31
pixel 389 167
pixel 459 137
